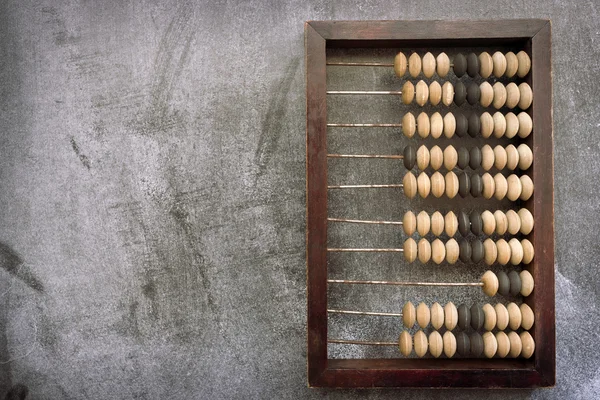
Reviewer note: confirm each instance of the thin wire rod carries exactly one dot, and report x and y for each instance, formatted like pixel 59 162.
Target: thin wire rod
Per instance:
pixel 379 314
pixel 365 125
pixel 360 64
pixel 454 284
pixel 362 221
pixel 386 156
pixel 395 185
pixel 373 92
pixel 365 250
pixel 361 342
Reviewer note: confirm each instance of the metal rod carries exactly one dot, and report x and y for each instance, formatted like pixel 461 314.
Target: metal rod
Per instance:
pixel 340 250
pixel 351 282
pixel 369 92
pixel 379 314
pixel 361 342
pixel 395 185
pixel 390 156
pixel 361 221
pixel 365 125
pixel 360 64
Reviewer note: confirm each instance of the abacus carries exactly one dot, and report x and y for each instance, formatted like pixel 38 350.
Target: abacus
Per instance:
pixel 462 179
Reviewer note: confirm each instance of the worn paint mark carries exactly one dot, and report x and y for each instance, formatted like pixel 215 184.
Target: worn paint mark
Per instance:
pixel 12 263
pixel 82 157
pixel 17 392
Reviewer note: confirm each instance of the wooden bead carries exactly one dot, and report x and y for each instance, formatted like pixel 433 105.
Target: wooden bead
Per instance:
pixel 409 315
pixel 487 124
pixel 499 62
pixel 524 64
pixel 409 183
pixel 514 187
pixel 436 157
pixel 447 94
pixel 400 64
pixel 500 157
pixel 528 344
pixel 423 315
pixel 525 156
pixel 501 186
pixel 512 64
pixel 501 316
pixel 408 92
pixel 525 124
pixel 516 251
pixel 487 157
pixel 513 222
pixel 503 252
pixel 449 125
pixel 499 124
pixel 490 282
pixel 410 250
pixel 414 65
pixel 424 250
pixel 450 223
pixel 436 344
pixel 405 343
pixel 464 317
pixel 437 221
pixel 526 96
pixel 512 157
pixel 421 93
pixel 423 125
pixel 409 223
pixel 435 93
pixel 515 344
pixel 443 64
pixel 503 344
pixel 499 95
pixel 527 316
pixel 486 95
pixel 512 95
pixel 451 184
pixel 452 251
pixel 528 251
pixel 489 186
pixel 450 316
pixel 489 317
pixel 420 343
pixel 423 157
pixel 476 344
pixel 527 283
pixel 437 316
pixel 514 316
pixel 438 251
pixel 501 222
pixel 490 345
pixel 409 125
pixel 450 157
pixel 512 125
pixel 490 252
pixel 423 223
pixel 449 344
pixel 489 222
pixel 486 65
pixel 428 65
pixel 526 221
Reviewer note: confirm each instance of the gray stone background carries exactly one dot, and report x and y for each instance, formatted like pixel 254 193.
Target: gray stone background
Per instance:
pixel 152 195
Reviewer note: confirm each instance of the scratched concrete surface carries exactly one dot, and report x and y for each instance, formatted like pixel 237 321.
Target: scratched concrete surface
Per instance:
pixel 152 201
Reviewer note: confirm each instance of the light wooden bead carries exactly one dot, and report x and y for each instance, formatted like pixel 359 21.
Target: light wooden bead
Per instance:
pixel 527 283
pixel 423 223
pixel 486 65
pixel 526 221
pixel 409 315
pixel 400 64
pixel 436 157
pixel 503 344
pixel 528 251
pixel 437 223
pixel 450 223
pixel 409 223
pixel 436 344
pixel 489 222
pixel 408 92
pixel 499 157
pixel 501 186
pixel 486 94
pixel 514 316
pixel 512 125
pixel 449 125
pixel 428 65
pixel 499 95
pixel 423 315
pixel 451 184
pixel 423 157
pixel 487 125
pixel 490 345
pixel 528 344
pixel 421 93
pixel 423 125
pixel 424 250
pixel 503 252
pixel 512 157
pixel 414 65
pixel 525 156
pixel 420 343
pixel 447 94
pixel 409 125
pixel 410 250
pixel 452 251
pixel 515 344
pixel 501 222
pixel 443 64
pixel 450 316
pixel 514 187
pixel 499 62
pixel 449 344
pixel 527 316
pixel 487 157
pixel 489 317
pixel 524 64
pixel 516 251
pixel 525 124
pixel 450 157
pixel 526 96
pixel 435 93
pixel 405 343
pixel 512 64
pixel 513 222
pixel 436 125
pixel 490 252
pixel 499 124
pixel 489 186
pixel 490 283
pixel 512 95
pixel 409 183
pixel 438 251
pixel 437 316
pixel 501 316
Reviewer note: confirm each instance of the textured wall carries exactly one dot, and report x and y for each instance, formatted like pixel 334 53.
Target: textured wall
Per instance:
pixel 152 176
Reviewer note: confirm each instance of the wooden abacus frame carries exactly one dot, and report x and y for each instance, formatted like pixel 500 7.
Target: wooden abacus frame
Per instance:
pixel 534 36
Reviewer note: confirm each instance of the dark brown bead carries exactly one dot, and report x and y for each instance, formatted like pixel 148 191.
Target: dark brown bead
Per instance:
pixel 477 317
pixel 463 158
pixel 410 157
pixel 476 185
pixel 460 65
pixel 474 125
pixel 460 93
pixel 515 283
pixel 463 344
pixel 473 93
pixel 463 223
pixel 464 184
pixel 464 317
pixel 472 65
pixel 464 250
pixel 477 251
pixel 476 223
pixel 462 124
pixel 475 157
pixel 476 344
